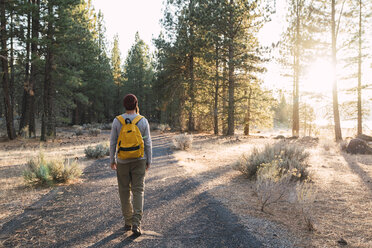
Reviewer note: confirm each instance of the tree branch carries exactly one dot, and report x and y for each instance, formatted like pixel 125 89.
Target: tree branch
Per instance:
pixel 339 18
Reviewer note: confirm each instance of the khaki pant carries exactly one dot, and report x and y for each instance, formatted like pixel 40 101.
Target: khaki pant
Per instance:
pixel 131 178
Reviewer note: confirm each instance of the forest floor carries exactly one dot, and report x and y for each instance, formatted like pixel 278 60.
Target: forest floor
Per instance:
pixel 343 203
pixel 15 195
pixel 181 190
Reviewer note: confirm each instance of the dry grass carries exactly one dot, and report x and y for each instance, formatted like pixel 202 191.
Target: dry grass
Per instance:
pixel 182 141
pixel 272 185
pixel 98 151
pixel 288 157
pixel 342 182
pixel 66 143
pixel 43 172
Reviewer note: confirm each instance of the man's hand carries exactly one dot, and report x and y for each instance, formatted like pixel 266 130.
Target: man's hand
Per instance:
pixel 113 166
pixel 147 166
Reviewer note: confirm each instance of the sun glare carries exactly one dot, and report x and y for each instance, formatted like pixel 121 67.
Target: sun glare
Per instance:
pixel 319 76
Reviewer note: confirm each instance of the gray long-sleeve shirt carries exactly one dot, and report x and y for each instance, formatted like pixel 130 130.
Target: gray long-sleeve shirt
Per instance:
pixel 143 126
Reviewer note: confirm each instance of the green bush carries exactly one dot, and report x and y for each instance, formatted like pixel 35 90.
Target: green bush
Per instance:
pixel 289 158
pixel 47 172
pixel 99 151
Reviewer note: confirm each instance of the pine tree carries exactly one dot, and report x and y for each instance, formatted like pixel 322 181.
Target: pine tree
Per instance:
pixel 170 82
pixel 182 27
pixel 198 37
pixel 47 120
pixel 5 71
pixel 296 42
pixel 356 51
pixel 259 108
pixel 138 73
pixel 281 112
pixel 360 31
pixel 334 31
pixel 32 67
pixel 307 118
pixel 117 73
pixel 241 25
pixel 58 63
pixel 24 120
pixel 212 51
pixel 331 18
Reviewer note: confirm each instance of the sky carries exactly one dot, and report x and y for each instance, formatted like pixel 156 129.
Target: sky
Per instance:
pixel 126 17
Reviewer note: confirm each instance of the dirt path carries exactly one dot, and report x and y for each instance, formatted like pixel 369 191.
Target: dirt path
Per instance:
pixel 178 213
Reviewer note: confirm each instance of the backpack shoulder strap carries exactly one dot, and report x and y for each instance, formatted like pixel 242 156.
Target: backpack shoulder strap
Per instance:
pixel 121 119
pixel 137 119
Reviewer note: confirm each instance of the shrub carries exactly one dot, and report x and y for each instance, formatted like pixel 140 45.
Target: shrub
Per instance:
pixel 24 131
pixel 99 151
pixel 79 131
pixel 47 172
pixel 272 184
pixel 105 126
pixel 182 141
pixel 160 127
pixel 89 126
pixel 289 158
pixel 64 171
pixel 303 198
pixel 94 131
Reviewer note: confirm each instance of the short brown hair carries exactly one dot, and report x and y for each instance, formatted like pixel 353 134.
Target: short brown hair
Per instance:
pixel 130 102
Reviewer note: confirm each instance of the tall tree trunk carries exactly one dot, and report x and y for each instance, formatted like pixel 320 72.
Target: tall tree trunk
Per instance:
pixel 11 82
pixel 75 114
pixel 305 120
pixel 34 59
pixel 248 115
pixel 336 113
pixel 224 99
pixel 296 72
pixel 51 124
pixel 46 127
pixel 5 74
pixel 360 126
pixel 216 89
pixel 191 126
pixel 118 100
pixel 231 108
pixel 24 120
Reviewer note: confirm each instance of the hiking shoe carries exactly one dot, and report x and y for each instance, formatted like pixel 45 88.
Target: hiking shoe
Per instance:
pixel 136 230
pixel 127 228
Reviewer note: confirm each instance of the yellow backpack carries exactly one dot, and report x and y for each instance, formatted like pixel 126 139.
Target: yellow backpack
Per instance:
pixel 130 143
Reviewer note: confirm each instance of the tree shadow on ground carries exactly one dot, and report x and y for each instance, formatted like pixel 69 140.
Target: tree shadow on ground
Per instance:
pixel 357 169
pixel 63 210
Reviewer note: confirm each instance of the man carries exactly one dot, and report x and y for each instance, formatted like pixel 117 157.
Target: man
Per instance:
pixel 131 171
